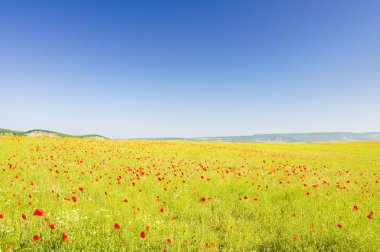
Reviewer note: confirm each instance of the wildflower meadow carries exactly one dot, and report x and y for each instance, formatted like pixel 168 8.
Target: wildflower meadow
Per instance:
pixel 66 194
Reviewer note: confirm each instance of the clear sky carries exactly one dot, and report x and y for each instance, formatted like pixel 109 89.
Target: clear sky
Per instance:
pixel 128 69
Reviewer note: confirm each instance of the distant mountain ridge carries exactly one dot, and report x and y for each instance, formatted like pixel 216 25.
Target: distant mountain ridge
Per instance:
pixel 270 138
pixel 291 137
pixel 45 133
pixel 299 137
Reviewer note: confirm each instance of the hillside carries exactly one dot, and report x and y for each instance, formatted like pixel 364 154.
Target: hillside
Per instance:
pixel 289 138
pixel 275 138
pixel 298 137
pixel 45 133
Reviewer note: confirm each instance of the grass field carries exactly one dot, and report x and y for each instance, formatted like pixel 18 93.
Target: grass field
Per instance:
pixel 102 195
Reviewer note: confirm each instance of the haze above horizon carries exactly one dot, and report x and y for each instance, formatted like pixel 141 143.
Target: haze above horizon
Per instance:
pixel 137 69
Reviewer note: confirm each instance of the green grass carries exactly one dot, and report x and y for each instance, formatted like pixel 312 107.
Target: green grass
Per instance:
pixel 152 175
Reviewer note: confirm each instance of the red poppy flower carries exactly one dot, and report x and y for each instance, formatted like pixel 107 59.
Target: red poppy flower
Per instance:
pixel 36 237
pixel 369 216
pixel 52 227
pixel 142 235
pixel 74 199
pixel 169 241
pixel 23 216
pixel 161 210
pixel 339 225
pixel 203 199
pixel 117 226
pixel 64 237
pixel 356 208
pixel 81 189
pixel 1 216
pixel 38 212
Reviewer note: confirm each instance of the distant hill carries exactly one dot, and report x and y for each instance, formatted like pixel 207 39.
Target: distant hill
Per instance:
pixel 298 137
pixel 45 133
pixel 290 137
pixel 275 138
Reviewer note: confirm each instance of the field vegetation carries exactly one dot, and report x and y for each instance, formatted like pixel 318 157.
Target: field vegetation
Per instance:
pixel 71 194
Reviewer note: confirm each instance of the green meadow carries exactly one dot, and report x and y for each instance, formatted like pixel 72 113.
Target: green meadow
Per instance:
pixel 67 194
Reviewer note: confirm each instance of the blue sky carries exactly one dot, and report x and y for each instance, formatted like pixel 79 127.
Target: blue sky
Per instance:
pixel 128 69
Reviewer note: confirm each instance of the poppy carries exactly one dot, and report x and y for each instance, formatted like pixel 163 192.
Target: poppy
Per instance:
pixel 36 237
pixel 356 208
pixel 117 226
pixel 23 216
pixel 64 237
pixel 38 212
pixel 52 227
pixel 1 216
pixel 142 235
pixel 203 199
pixel 339 225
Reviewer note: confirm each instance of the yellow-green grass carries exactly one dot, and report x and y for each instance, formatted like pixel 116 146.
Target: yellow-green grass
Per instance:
pixel 278 214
